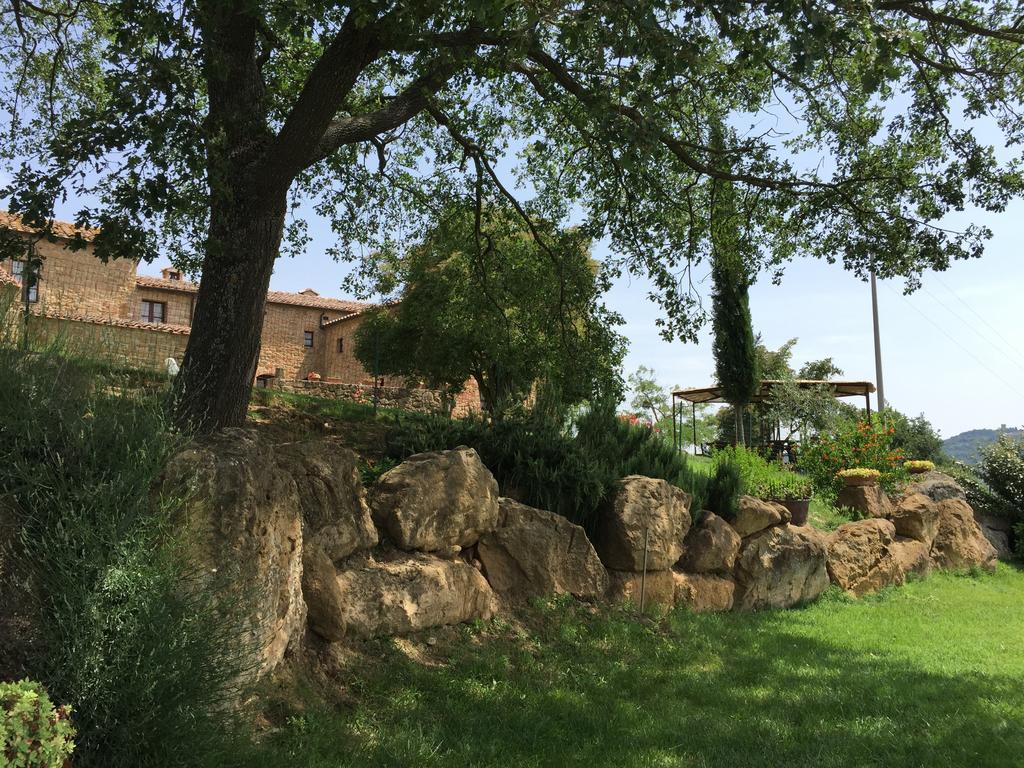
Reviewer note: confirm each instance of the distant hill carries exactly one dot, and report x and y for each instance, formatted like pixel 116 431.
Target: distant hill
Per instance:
pixel 964 447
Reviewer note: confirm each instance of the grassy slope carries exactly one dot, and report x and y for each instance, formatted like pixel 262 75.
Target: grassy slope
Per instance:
pixel 928 675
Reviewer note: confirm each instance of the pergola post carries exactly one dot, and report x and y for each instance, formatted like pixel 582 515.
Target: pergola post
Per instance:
pixel 693 407
pixel 867 405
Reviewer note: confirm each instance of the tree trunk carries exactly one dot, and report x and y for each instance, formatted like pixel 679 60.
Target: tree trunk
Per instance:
pixel 738 412
pixel 216 378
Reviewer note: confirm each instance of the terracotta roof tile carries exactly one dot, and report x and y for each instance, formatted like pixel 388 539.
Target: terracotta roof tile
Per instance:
pixel 112 321
pixel 61 229
pixel 273 297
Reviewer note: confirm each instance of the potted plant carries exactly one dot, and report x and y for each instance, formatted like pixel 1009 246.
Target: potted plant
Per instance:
pixel 859 476
pixel 918 467
pixel 794 493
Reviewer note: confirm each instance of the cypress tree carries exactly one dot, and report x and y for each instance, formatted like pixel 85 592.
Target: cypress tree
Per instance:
pixel 733 345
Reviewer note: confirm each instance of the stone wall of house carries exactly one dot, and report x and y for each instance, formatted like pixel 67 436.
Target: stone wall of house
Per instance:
pixel 402 398
pixel 339 361
pixel 136 347
pixel 283 339
pixel 178 305
pixel 76 281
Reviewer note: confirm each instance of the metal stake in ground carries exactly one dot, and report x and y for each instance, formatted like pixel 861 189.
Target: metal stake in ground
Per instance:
pixel 643 573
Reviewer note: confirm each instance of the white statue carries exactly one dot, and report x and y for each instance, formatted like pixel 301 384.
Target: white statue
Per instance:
pixel 172 366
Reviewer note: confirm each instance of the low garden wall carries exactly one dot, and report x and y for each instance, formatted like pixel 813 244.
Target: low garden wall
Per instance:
pixel 433 542
pixel 414 399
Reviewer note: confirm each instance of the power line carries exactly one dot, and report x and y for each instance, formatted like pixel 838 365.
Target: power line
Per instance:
pixel 971 327
pixel 1009 344
pixel 937 327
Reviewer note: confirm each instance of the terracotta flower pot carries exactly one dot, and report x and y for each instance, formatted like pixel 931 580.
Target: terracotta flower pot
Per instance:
pixel 858 481
pixel 798 509
pixel 919 470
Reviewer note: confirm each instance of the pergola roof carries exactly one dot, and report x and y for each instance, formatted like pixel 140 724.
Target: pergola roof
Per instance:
pixel 714 394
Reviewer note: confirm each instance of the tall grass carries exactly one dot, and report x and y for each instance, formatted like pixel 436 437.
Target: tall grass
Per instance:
pixel 146 662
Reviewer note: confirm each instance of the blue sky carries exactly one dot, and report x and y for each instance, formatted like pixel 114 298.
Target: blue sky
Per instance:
pixel 940 358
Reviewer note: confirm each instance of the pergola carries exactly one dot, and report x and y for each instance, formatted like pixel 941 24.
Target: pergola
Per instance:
pixel 701 395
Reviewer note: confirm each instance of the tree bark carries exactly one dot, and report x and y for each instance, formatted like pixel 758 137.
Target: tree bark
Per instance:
pixel 213 388
pixel 740 437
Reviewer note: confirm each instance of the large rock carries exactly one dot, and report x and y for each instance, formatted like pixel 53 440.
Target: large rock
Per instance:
pixel 960 542
pixel 243 526
pixel 754 515
pixel 917 517
pixel 859 556
pixel 937 486
pixel 780 567
pixel 711 546
pixel 911 556
pixel 702 593
pixel 335 515
pixel 534 553
pixel 659 588
pixel 374 598
pixel 325 600
pixel 998 531
pixel 436 501
pixel 869 500
pixel 643 507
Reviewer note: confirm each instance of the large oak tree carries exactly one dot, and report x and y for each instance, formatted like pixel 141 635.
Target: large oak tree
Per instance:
pixel 193 127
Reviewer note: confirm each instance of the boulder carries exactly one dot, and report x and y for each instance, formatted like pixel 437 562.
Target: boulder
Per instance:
pixel 335 514
pixel 375 598
pixel 643 507
pixel 242 522
pixel 998 531
pixel 916 517
pixel 434 501
pixel 754 515
pixel 324 599
pixel 711 546
pixel 536 553
pixel 780 567
pixel 702 593
pixel 937 486
pixel 911 556
pixel 869 500
pixel 659 588
pixel 859 556
pixel 960 542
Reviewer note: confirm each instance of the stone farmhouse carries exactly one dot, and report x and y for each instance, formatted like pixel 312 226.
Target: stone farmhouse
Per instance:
pixel 141 321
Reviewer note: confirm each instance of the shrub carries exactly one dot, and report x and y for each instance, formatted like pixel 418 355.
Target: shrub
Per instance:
pixel 871 474
pixel 146 664
pixel 853 444
pixel 569 469
pixel 919 466
pixel 33 732
pixel 761 478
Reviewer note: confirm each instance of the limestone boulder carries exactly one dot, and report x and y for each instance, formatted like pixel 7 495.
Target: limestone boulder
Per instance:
pixel 323 594
pixel 869 500
pixel 960 542
pixel 536 553
pixel 754 515
pixel 335 515
pixel 704 593
pixel 781 567
pixel 643 507
pixel 659 588
pixel 860 559
pixel 434 501
pixel 916 517
pixel 711 546
pixel 911 556
pixel 372 597
pixel 242 523
pixel 998 531
pixel 937 486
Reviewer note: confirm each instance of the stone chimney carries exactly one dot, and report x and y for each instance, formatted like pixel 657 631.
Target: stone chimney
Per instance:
pixel 170 273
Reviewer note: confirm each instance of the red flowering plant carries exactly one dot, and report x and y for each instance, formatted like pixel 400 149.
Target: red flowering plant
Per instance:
pixel 852 444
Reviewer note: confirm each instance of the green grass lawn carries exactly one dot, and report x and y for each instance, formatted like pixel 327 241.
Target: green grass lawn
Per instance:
pixel 928 675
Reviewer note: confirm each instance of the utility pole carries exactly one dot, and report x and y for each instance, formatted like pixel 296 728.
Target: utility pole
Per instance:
pixel 880 400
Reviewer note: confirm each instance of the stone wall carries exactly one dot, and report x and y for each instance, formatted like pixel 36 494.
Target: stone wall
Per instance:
pixel 134 346
pixel 402 398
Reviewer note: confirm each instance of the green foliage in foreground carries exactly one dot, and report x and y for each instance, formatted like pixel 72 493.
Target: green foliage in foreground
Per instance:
pixel 931 674
pixel 144 661
pixel 33 732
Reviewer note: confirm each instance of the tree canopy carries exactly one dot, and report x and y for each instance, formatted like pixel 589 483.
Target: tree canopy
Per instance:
pixel 192 127
pixel 484 299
